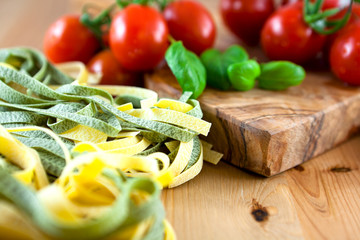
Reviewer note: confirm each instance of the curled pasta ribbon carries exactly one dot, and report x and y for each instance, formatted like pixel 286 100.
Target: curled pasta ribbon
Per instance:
pixel 86 189
pixel 78 71
pixel 119 154
pixel 130 146
pixel 173 117
pixel 173 105
pixel 182 160
pixel 49 132
pixel 32 173
pixel 82 133
pixel 211 156
pixel 87 193
pixel 185 164
pixel 83 192
pixel 170 175
pixel 148 97
pixel 7 65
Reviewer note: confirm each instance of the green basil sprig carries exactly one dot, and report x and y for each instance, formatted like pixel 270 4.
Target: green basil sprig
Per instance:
pixel 187 68
pixel 217 63
pixel 279 75
pixel 230 69
pixel 243 75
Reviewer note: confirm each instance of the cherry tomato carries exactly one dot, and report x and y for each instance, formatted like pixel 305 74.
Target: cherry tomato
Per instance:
pixel 285 2
pixel 190 22
pixel 345 55
pixel 105 39
pixel 112 73
pixel 245 18
pixel 68 40
pixel 327 4
pixel 285 36
pixel 139 37
pixel 355 14
pixel 356 9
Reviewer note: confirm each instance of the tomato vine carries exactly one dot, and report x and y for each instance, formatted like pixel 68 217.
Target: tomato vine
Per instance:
pixel 320 21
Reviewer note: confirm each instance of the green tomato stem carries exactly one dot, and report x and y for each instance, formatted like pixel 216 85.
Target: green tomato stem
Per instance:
pixel 171 39
pixel 319 20
pixel 95 25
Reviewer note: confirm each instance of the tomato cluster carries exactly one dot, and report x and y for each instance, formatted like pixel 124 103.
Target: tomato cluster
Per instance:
pixel 284 34
pixel 138 38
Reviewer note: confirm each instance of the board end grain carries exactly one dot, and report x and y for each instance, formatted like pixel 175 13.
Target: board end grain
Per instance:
pixel 268 132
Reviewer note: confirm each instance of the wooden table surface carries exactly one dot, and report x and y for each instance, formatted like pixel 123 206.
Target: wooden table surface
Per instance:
pixel 317 200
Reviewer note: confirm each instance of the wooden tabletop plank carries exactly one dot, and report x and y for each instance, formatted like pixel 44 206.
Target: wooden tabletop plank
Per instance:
pixel 316 200
pixel 23 22
pixel 225 203
pixel 327 192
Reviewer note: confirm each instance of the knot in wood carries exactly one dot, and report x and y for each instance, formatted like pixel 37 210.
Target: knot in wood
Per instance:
pixel 259 212
pixel 260 215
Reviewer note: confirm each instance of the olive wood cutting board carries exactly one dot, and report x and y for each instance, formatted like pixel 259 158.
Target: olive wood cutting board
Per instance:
pixel 268 132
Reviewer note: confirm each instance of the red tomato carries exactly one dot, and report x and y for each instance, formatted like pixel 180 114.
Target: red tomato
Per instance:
pixel 245 18
pixel 327 4
pixel 139 37
pixel 105 39
pixel 190 22
pixel 68 40
pixel 285 2
pixel 345 55
pixel 285 36
pixel 112 73
pixel 355 14
pixel 356 9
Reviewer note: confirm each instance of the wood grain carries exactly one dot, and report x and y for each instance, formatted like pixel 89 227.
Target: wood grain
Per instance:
pixel 244 204
pixel 318 199
pixel 326 193
pixel 269 132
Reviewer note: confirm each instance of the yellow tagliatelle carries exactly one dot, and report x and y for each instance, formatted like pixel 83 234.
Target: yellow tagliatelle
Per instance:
pixel 32 173
pixel 77 196
pixel 104 155
pixel 78 71
pixel 211 156
pixel 173 105
pixel 173 117
pixel 163 110
pixel 76 165
pixel 82 133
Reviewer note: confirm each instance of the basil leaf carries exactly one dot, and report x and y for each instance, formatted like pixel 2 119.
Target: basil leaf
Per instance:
pixel 187 68
pixel 279 75
pixel 217 63
pixel 234 54
pixel 242 75
pixel 215 71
